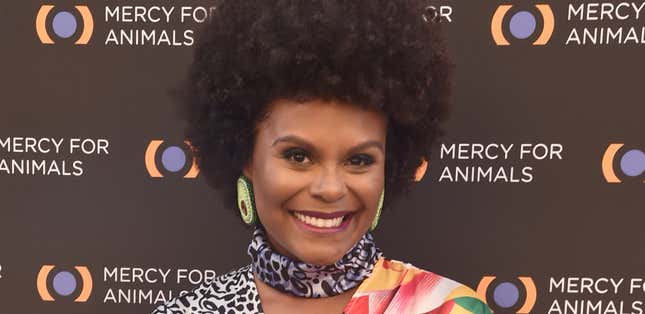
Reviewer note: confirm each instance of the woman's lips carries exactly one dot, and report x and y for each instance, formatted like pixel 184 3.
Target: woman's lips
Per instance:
pixel 323 222
pixel 323 215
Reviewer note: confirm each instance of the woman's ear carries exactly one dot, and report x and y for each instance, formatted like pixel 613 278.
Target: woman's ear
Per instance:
pixel 246 171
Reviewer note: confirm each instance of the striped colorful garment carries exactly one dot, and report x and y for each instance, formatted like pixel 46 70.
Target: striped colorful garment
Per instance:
pixel 392 287
pixel 397 287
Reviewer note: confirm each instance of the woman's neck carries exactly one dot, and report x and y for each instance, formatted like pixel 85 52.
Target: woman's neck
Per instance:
pixel 274 301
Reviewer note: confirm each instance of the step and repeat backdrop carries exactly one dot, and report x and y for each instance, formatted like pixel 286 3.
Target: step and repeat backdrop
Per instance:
pixel 535 197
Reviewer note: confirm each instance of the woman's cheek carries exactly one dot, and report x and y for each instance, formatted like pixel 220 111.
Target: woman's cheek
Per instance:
pixel 281 184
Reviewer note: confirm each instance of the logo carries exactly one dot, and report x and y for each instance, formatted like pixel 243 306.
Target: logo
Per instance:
pixel 64 283
pixel 513 296
pixel 64 24
pixel 631 164
pixel 173 159
pixel 522 25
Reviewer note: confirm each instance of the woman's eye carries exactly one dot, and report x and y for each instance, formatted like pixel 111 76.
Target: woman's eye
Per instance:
pixel 361 160
pixel 297 156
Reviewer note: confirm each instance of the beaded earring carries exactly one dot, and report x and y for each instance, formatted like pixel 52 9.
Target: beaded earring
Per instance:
pixel 378 211
pixel 246 200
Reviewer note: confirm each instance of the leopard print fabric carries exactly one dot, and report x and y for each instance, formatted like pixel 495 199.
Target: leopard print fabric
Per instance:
pixel 235 292
pixel 312 281
pixel 231 293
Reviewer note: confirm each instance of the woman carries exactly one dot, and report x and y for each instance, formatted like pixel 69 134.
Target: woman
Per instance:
pixel 312 116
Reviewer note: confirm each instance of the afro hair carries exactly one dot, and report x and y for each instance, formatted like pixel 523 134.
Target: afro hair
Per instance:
pixel 380 54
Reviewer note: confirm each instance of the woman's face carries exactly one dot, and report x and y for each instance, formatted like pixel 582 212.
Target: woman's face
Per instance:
pixel 317 172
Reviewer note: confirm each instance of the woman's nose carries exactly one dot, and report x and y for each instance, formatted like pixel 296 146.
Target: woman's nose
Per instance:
pixel 329 185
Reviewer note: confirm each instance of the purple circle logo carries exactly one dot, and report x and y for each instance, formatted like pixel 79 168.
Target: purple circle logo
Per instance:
pixel 173 158
pixel 64 283
pixel 52 284
pixel 64 24
pixel 633 163
pixel 170 159
pixel 506 295
pixel 522 24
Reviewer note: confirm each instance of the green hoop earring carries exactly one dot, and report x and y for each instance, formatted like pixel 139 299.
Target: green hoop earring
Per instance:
pixel 246 201
pixel 378 211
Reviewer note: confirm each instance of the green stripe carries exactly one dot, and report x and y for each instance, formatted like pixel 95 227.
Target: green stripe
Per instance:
pixel 474 305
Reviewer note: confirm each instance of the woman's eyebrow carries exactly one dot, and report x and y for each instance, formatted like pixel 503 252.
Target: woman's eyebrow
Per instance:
pixel 302 142
pixel 293 139
pixel 368 144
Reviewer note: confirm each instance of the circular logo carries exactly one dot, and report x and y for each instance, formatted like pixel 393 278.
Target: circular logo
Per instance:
pixel 55 284
pixel 633 163
pixel 510 295
pixel 522 24
pixel 506 295
pixel 64 24
pixel 176 160
pixel 173 158
pixel 64 283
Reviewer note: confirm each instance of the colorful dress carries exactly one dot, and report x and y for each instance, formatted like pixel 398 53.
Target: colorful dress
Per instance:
pixel 393 287
pixel 397 287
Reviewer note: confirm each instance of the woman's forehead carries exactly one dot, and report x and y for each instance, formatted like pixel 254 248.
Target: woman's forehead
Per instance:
pixel 315 114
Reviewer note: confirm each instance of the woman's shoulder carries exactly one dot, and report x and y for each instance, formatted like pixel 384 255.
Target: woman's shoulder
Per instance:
pixel 403 288
pixel 233 290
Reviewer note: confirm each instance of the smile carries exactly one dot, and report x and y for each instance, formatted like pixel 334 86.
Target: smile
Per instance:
pixel 323 221
pixel 319 222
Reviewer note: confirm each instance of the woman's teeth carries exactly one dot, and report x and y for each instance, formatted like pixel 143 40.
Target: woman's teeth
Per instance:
pixel 320 222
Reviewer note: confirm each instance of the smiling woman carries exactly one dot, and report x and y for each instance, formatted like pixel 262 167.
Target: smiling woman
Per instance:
pixel 311 117
pixel 317 171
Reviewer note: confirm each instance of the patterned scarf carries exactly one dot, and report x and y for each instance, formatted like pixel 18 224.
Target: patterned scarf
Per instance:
pixel 312 281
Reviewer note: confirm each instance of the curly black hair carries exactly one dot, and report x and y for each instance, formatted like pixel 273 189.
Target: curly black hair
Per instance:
pixel 381 54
